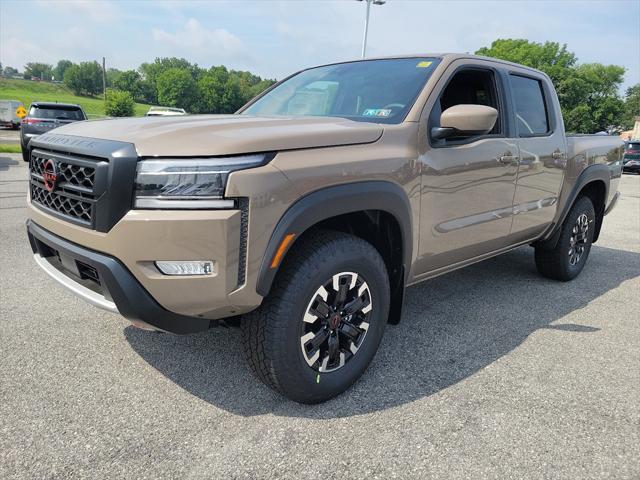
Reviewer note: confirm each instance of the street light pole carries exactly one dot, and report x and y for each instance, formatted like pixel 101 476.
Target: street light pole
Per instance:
pixel 366 22
pixel 366 29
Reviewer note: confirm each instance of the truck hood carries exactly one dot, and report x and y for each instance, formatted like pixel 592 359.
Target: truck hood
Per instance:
pixel 210 135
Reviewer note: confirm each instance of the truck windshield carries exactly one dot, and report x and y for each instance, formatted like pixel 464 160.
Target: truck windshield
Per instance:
pixel 379 91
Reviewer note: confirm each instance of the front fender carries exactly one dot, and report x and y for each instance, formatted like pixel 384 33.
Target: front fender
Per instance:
pixel 333 201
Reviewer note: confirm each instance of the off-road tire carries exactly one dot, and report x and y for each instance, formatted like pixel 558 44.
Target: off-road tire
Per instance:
pixel 272 333
pixel 556 263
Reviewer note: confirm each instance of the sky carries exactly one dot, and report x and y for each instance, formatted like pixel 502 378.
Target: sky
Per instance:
pixel 274 38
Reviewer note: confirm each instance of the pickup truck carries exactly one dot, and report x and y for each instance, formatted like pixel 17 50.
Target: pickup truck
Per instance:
pixel 303 217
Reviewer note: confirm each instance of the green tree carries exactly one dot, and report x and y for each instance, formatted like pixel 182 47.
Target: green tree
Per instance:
pixel 631 106
pixel 177 88
pixel 112 76
pixel 10 71
pixel 550 57
pixel 151 71
pixel 129 81
pixel 590 102
pixel 588 93
pixel 84 79
pixel 260 87
pixel 61 67
pixel 232 98
pixel 43 71
pixel 224 91
pixel 211 89
pixel 72 79
pixel 148 92
pixel 119 103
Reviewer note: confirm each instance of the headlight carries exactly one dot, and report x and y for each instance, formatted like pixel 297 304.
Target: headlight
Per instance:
pixel 189 182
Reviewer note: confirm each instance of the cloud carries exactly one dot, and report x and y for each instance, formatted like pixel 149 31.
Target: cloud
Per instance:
pixel 98 10
pixel 194 36
pixel 276 37
pixel 77 44
pixel 16 51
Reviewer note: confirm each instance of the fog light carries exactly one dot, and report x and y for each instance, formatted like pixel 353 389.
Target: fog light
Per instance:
pixel 200 267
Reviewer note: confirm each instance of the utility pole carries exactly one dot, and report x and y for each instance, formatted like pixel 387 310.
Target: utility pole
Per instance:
pixel 366 22
pixel 104 80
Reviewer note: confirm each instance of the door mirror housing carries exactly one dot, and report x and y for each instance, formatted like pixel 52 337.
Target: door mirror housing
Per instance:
pixel 465 120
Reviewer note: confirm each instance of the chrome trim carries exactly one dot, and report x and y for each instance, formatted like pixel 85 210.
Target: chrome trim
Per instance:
pixel 166 204
pixel 79 290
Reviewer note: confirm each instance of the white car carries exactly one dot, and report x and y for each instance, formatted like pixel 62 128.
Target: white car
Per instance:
pixel 165 112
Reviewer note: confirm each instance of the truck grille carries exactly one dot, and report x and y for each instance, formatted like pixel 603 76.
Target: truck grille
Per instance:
pixel 64 204
pixel 69 173
pixel 74 194
pixel 80 180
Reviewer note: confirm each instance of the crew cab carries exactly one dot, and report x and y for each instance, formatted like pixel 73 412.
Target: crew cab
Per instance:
pixel 308 213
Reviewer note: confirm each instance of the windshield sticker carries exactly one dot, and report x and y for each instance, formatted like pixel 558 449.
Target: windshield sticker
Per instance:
pixel 423 64
pixel 376 112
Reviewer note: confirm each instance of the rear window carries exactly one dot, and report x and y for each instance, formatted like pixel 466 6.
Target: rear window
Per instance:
pixel 633 146
pixel 531 111
pixel 59 113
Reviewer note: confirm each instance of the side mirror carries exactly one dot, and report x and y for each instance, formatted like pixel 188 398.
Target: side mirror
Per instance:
pixel 465 120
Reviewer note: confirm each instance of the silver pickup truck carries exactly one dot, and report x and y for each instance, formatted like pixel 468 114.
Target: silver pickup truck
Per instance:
pixel 307 214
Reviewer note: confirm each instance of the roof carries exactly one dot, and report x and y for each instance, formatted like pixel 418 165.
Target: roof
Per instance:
pixel 54 104
pixel 166 109
pixel 445 56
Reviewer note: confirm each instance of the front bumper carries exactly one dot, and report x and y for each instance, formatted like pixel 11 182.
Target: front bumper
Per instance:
pixel 635 168
pixel 25 138
pixel 104 282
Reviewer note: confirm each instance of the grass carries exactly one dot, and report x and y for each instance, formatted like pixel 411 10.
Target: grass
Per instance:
pixel 4 148
pixel 28 91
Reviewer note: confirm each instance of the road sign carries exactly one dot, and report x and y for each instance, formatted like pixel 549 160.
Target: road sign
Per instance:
pixel 21 112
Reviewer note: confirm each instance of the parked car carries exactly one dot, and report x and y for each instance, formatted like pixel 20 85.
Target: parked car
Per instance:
pixel 631 158
pixel 310 211
pixel 165 112
pixel 8 113
pixel 45 116
pixel 631 166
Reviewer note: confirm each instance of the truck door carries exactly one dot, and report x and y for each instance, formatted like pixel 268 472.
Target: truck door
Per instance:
pixel 468 183
pixel 542 144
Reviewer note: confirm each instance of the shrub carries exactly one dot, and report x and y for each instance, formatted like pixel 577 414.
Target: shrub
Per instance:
pixel 119 104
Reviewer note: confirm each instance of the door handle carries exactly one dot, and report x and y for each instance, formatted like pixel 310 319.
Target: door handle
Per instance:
pixel 556 155
pixel 509 159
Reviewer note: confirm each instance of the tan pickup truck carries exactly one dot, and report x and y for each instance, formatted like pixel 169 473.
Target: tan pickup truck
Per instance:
pixel 305 216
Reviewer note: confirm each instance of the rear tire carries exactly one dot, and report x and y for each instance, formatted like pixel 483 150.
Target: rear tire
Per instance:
pixel 303 341
pixel 567 259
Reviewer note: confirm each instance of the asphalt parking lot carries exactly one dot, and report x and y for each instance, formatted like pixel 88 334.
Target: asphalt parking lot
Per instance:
pixel 493 372
pixel 9 135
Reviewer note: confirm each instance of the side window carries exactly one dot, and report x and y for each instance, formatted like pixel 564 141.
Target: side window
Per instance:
pixel 531 111
pixel 473 86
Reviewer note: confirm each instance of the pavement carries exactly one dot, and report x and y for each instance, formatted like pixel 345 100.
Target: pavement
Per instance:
pixel 494 372
pixel 8 135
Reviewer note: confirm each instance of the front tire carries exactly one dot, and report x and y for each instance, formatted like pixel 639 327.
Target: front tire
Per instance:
pixel 567 259
pixel 25 153
pixel 320 326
